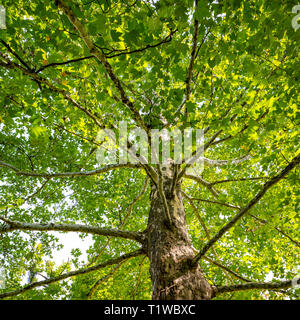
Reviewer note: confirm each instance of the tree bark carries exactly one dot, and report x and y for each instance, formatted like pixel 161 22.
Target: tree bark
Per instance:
pixel 169 248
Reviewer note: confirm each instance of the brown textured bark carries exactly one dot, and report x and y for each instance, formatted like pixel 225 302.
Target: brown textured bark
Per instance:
pixel 170 251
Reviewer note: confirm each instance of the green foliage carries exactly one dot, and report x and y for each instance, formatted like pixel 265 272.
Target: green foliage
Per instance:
pixel 247 66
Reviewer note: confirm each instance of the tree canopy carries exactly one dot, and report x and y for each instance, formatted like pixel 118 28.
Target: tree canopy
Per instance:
pixel 71 68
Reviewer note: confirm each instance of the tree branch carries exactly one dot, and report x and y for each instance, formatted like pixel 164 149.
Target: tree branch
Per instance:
pixel 168 38
pixel 102 59
pixel 204 228
pixel 72 274
pixel 203 182
pixel 103 279
pixel 37 191
pixel 100 56
pixel 241 131
pixel 190 67
pixel 15 54
pixel 11 65
pixel 185 99
pixel 197 153
pixel 138 281
pixel 53 64
pixel 263 221
pixel 218 264
pixel 68 174
pixel 192 58
pixel 255 286
pixel 225 204
pixel 239 179
pixel 219 163
pixel 245 209
pixel 78 135
pixel 17 225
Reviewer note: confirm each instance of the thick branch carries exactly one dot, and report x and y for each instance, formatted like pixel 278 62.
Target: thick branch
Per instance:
pixel 100 56
pixel 245 209
pixel 72 274
pixel 17 225
pixel 255 286
pixel 102 59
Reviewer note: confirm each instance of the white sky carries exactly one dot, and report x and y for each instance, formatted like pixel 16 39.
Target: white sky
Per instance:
pixel 71 240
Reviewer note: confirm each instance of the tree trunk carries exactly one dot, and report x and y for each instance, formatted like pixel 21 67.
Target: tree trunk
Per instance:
pixel 169 249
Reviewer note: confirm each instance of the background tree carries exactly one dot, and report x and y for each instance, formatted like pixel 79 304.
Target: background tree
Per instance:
pixel 71 68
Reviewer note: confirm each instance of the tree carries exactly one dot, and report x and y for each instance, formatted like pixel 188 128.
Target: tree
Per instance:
pixel 71 68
